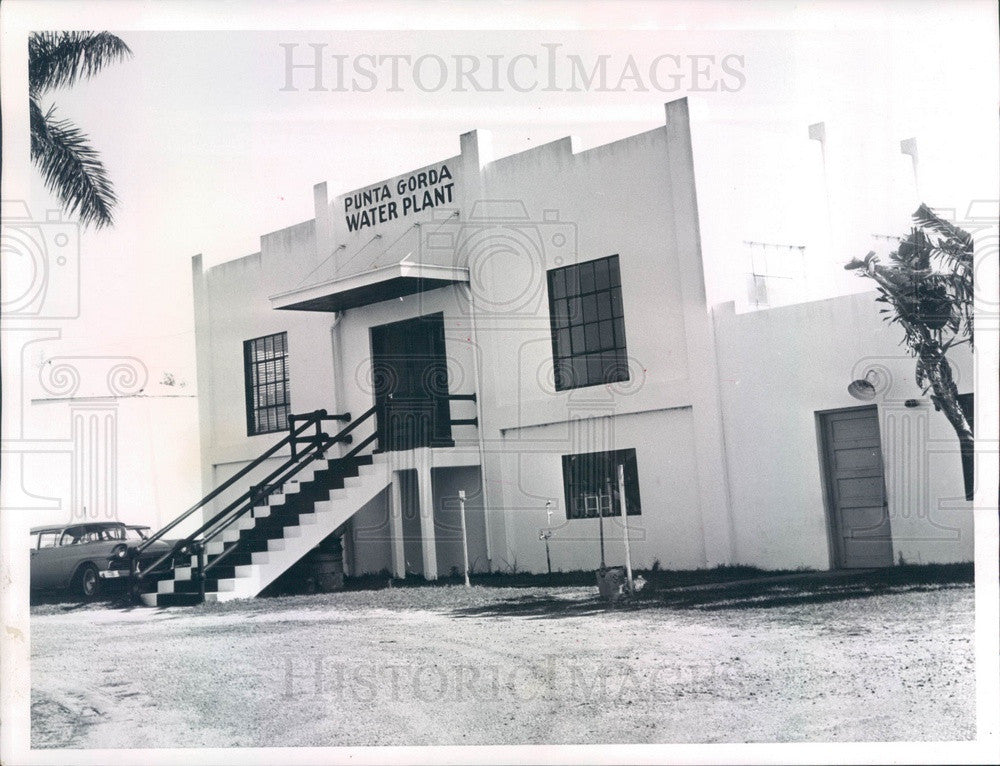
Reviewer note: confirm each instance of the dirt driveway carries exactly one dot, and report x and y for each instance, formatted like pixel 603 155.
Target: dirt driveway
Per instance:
pixel 503 665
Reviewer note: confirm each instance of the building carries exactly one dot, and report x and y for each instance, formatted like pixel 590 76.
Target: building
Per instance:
pixel 566 291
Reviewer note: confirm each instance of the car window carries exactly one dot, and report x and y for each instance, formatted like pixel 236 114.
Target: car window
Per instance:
pixel 136 534
pixel 113 533
pixel 73 536
pixel 47 539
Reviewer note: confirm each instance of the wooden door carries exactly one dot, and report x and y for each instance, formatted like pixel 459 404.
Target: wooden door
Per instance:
pixel 859 514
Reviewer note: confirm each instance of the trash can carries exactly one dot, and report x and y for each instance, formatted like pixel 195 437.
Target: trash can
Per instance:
pixel 328 565
pixel 611 583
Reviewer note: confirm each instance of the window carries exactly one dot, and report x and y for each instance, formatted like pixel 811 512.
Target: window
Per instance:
pixel 590 481
pixel 265 365
pixel 73 536
pixel 114 533
pixel 588 328
pixel 47 539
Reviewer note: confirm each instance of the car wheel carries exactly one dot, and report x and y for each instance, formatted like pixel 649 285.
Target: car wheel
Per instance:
pixel 88 584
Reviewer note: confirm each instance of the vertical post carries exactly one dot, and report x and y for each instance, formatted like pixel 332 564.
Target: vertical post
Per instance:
pixel 201 570
pixel 600 517
pixel 465 538
pixel 547 534
pixel 623 502
pixel 428 540
pixel 396 528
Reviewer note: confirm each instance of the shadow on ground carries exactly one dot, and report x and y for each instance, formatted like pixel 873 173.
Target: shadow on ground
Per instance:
pixel 758 593
pixel 114 596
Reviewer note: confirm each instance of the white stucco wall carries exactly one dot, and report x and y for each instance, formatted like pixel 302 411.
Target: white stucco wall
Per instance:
pixel 669 529
pixel 780 367
pixel 633 198
pixel 720 409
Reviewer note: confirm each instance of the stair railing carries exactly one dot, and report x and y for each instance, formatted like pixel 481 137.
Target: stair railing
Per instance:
pixel 316 446
pixel 258 496
pixel 463 398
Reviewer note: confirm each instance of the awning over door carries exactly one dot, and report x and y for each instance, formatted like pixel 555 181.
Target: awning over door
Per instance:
pixel 374 286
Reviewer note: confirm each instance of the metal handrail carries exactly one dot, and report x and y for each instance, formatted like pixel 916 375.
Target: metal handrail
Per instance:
pixel 462 421
pixel 233 479
pixel 316 446
pixel 181 545
pixel 295 469
pixel 251 504
pixel 219 521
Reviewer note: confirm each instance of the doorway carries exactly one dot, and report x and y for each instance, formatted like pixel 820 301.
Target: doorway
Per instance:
pixel 410 381
pixel 855 484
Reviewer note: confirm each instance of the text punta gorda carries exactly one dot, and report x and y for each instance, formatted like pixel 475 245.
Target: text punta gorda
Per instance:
pixel 386 202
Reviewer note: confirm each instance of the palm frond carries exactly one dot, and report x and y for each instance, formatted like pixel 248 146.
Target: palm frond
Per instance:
pixel 57 59
pixel 931 220
pixel 37 120
pixel 72 169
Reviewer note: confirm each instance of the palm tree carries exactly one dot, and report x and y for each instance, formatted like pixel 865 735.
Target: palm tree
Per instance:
pixel 71 167
pixel 927 286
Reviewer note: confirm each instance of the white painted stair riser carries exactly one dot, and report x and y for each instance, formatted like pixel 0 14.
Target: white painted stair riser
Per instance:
pixel 297 540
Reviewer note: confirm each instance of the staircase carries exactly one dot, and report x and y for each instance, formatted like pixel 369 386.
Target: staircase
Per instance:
pixel 261 545
pixel 252 541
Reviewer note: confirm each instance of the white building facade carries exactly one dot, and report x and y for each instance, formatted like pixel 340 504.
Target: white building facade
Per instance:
pixel 529 331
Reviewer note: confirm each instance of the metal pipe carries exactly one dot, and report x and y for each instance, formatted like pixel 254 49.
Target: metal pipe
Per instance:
pixel 477 359
pixel 622 503
pixel 465 537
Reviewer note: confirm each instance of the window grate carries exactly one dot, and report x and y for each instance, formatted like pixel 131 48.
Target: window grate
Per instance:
pixel 265 364
pixel 590 481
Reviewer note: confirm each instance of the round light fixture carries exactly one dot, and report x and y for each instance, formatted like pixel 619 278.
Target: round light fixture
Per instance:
pixel 863 389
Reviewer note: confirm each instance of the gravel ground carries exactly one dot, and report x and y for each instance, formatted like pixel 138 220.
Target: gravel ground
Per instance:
pixel 505 665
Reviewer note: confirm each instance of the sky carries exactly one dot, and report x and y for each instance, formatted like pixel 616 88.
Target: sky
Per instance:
pixel 208 152
pixel 209 148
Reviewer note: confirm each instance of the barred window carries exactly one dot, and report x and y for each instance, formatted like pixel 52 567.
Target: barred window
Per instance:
pixel 590 481
pixel 265 365
pixel 588 325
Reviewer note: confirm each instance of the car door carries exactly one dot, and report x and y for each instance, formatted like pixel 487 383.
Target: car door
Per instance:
pixel 46 559
pixel 71 550
pixel 95 547
pixel 35 569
